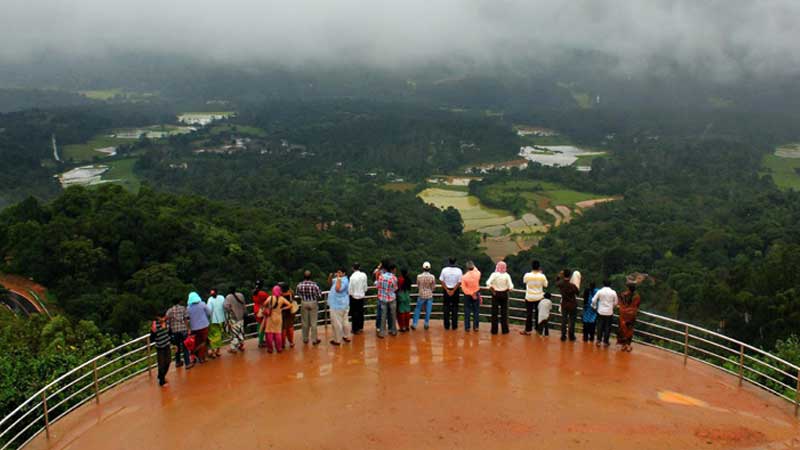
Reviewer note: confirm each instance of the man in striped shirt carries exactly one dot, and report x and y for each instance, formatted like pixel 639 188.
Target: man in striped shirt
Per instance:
pixel 159 337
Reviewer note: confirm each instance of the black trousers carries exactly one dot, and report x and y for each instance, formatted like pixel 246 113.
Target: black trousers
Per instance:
pixel 588 331
pixel 531 316
pixel 500 306
pixel 568 323
pixel 604 328
pixel 357 314
pixel 164 359
pixel 450 310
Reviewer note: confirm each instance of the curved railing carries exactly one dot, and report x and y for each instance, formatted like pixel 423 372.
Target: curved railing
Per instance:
pixel 91 379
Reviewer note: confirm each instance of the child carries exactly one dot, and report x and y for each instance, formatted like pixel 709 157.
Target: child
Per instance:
pixel 544 315
pixel 159 336
pixel 589 313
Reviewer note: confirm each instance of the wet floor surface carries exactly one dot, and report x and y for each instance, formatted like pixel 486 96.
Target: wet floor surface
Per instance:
pixel 435 390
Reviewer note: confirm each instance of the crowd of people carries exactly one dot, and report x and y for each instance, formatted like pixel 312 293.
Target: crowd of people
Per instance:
pixel 199 329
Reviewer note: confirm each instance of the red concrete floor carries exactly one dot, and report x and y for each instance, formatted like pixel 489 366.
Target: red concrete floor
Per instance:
pixel 435 390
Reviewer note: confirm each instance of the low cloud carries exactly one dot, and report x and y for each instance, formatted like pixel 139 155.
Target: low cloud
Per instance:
pixel 724 38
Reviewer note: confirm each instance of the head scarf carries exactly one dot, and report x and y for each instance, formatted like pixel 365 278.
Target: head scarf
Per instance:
pixel 277 291
pixel 194 297
pixel 501 267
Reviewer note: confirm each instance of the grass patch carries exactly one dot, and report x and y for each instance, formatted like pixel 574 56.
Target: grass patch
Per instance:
pixel 586 160
pixel 582 99
pixel 558 139
pixel 86 152
pixel 399 187
pixel 101 94
pixel 238 129
pixel 784 171
pixel 121 172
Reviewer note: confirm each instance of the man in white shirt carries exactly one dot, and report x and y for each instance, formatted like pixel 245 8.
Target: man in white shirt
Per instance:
pixel 535 283
pixel 358 290
pixel 451 282
pixel 604 302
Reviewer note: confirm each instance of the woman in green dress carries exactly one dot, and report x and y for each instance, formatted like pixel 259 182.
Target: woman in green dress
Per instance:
pixel 404 301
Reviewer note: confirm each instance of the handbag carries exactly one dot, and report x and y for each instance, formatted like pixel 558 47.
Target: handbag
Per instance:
pixel 189 343
pixel 295 307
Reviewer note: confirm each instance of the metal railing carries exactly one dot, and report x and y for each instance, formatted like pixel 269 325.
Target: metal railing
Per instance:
pixel 91 379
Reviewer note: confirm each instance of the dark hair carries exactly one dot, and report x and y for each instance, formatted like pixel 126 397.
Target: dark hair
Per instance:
pixel 535 264
pixel 547 295
pixel 284 286
pixel 452 260
pixel 567 273
pixel 593 285
pixel 606 283
pixel 307 275
pixel 356 266
pixel 341 269
pixel 390 266
pixel 232 290
pixel 404 272
pixel 632 287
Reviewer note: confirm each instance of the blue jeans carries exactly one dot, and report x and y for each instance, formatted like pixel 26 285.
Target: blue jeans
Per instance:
pixel 428 303
pixel 181 350
pixel 471 307
pixel 378 315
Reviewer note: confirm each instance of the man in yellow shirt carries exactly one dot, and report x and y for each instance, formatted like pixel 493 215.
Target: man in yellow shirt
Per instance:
pixel 471 286
pixel 535 284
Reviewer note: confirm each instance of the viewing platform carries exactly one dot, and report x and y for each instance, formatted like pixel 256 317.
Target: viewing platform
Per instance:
pixel 428 389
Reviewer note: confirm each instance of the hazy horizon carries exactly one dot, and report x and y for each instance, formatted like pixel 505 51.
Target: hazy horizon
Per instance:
pixel 723 40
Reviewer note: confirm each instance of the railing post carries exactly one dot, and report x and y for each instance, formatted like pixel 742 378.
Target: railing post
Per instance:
pixel 149 359
pixel 46 415
pixel 686 345
pixel 797 395
pixel 741 364
pixel 96 385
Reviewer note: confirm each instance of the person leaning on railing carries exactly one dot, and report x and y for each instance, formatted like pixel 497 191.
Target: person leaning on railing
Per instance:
pixel 500 284
pixel 386 283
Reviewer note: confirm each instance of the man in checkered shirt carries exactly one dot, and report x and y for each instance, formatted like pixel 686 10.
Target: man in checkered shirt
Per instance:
pixel 387 294
pixel 309 293
pixel 178 323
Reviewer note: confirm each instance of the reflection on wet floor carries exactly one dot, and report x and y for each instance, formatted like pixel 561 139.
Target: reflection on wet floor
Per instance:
pixel 436 389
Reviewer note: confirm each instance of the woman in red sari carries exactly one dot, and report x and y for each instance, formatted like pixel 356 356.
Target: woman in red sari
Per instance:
pixel 628 309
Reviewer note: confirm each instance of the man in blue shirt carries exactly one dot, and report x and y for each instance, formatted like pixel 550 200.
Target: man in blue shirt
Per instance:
pixel 339 305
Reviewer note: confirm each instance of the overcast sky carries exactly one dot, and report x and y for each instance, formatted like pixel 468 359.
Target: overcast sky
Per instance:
pixel 724 37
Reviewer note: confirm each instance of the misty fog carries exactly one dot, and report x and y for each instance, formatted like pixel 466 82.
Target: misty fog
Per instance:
pixel 719 38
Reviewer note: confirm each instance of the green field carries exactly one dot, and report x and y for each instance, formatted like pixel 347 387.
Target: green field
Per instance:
pixel 586 160
pixel 784 171
pixel 582 99
pixel 121 171
pixel 537 194
pixel 86 152
pixel 238 129
pixel 399 187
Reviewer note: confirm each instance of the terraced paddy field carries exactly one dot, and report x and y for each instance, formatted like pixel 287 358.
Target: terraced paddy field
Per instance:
pixel 475 214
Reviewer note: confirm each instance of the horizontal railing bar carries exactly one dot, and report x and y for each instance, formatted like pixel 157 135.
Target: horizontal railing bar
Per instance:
pixel 761 374
pixel 69 385
pixel 127 366
pixel 70 397
pixel 123 356
pixel 70 372
pixel 751 358
pixel 16 422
